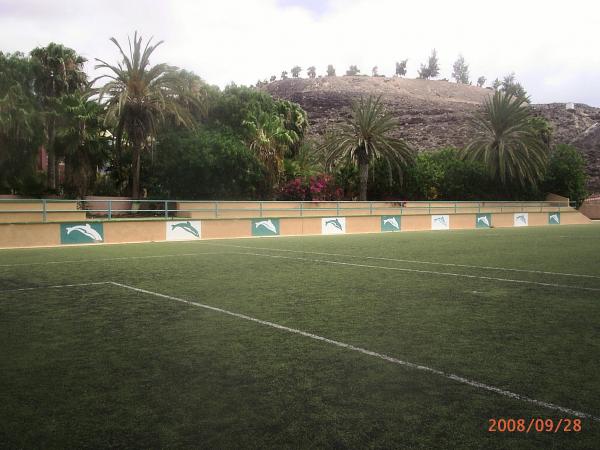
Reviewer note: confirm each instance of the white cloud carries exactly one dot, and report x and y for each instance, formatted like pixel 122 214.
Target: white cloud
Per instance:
pixel 550 45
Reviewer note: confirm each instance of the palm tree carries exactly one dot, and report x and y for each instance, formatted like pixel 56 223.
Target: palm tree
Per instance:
pixel 269 138
pixel 506 142
pixel 58 71
pixel 366 137
pixel 137 97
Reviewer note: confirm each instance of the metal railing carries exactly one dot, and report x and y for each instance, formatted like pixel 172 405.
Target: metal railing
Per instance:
pixel 49 209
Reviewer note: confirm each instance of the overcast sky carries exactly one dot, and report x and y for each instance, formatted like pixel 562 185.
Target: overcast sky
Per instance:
pixel 552 46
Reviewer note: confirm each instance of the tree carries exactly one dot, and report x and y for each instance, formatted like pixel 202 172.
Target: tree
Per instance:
pixel 352 70
pixel 58 71
pixel 284 75
pixel 432 69
pixel 510 86
pixel 268 139
pixel 330 71
pixel 565 174
pixel 375 71
pixel 366 137
pixel 21 126
pixel 460 70
pixel 296 71
pixel 496 84
pixel 311 72
pixel 273 78
pixel 138 97
pixel 401 68
pixel 481 81
pixel 505 141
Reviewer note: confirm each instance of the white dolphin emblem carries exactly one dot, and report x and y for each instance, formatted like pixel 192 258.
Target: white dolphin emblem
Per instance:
pixel 484 219
pixel 521 219
pixel 392 221
pixel 555 218
pixel 86 230
pixel 268 224
pixel 441 220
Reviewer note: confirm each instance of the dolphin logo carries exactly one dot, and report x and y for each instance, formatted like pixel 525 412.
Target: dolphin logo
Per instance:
pixel 186 226
pixel 268 224
pixel 86 230
pixel 392 221
pixel 484 220
pixel 441 220
pixel 554 218
pixel 335 223
pixel 521 219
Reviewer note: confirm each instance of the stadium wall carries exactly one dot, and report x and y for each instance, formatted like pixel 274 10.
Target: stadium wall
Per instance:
pixel 155 230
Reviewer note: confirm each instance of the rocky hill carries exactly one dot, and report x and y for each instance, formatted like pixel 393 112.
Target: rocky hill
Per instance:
pixel 433 114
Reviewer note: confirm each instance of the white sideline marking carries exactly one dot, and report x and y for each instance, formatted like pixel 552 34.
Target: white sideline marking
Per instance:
pixel 56 286
pixel 430 272
pixel 409 261
pixel 391 359
pixel 122 258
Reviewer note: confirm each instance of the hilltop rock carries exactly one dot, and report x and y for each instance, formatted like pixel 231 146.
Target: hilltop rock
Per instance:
pixel 432 113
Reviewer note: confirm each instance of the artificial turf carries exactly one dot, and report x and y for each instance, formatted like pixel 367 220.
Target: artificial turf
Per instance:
pixel 105 366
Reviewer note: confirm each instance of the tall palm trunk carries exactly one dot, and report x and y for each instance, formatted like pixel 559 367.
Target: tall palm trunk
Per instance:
pixel 363 174
pixel 135 185
pixel 52 163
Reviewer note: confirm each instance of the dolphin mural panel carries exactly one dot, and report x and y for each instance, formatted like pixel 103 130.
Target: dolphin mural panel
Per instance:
pixel 183 230
pixel 333 225
pixel 390 223
pixel 554 218
pixel 440 222
pixel 81 233
pixel 483 220
pixel 265 227
pixel 521 219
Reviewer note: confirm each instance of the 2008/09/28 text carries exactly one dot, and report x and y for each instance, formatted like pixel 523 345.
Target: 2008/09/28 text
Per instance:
pixel 533 425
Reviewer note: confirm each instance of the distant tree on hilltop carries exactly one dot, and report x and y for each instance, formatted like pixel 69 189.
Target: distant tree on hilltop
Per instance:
pixel 401 68
pixel 375 71
pixel 330 71
pixel 352 70
pixel 432 69
pixel 481 81
pixel 461 70
pixel 284 75
pixel 273 78
pixel 296 71
pixel 311 72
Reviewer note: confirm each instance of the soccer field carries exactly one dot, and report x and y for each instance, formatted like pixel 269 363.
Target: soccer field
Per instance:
pixel 384 340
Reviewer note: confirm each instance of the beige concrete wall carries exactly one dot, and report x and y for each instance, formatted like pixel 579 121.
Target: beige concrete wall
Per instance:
pixel 29 235
pixel 36 217
pixel 134 231
pixel 212 229
pixel 367 224
pixel 297 226
pixel 573 218
pixel 37 206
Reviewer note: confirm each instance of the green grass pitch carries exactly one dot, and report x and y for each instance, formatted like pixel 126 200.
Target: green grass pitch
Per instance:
pixel 103 365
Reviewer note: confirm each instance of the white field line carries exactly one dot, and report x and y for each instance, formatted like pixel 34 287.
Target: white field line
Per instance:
pixel 429 272
pixel 412 261
pixel 56 286
pixel 123 258
pixel 382 356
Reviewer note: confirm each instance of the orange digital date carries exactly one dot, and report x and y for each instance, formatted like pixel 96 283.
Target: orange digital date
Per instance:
pixel 533 425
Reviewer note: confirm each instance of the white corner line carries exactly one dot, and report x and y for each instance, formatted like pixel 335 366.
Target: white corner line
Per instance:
pixel 382 356
pixel 429 272
pixel 56 286
pixel 411 261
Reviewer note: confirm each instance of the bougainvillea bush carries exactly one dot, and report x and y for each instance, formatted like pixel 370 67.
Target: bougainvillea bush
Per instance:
pixel 317 188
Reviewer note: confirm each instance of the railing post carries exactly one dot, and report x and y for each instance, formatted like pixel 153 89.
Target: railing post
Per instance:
pixel 216 210
pixel 166 209
pixel 429 208
pixel 260 207
pixel 371 208
pixel 301 209
pixel 109 209
pixel 337 209
pixel 44 211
